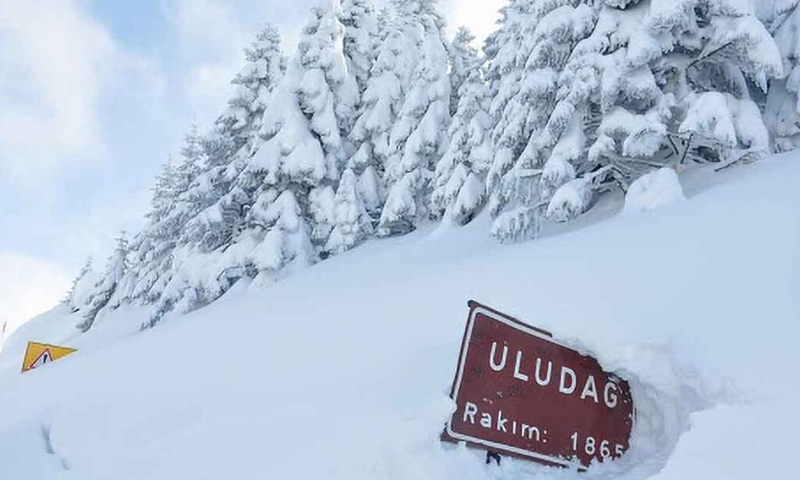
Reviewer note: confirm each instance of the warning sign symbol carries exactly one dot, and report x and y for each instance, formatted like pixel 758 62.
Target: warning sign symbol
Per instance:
pixel 45 357
pixel 39 354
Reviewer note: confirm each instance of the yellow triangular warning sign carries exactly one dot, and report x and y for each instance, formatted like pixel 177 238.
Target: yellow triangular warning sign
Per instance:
pixel 39 354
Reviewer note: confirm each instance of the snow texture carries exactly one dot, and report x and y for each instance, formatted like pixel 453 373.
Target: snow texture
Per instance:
pixel 342 371
pixel 654 190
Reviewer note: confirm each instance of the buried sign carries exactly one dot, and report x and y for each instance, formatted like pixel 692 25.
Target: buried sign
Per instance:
pixel 39 354
pixel 519 392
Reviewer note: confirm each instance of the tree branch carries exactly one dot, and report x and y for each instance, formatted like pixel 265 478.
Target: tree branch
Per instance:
pixel 782 17
pixel 708 55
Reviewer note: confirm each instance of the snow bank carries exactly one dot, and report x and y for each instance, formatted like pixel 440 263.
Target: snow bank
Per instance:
pixel 654 190
pixel 342 371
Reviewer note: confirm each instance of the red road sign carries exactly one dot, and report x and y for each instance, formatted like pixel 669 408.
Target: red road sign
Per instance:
pixel 519 392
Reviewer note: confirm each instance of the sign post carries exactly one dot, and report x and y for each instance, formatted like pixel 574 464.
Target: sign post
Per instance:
pixel 519 392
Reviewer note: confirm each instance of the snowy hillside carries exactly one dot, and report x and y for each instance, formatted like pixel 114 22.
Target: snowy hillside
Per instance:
pixel 342 370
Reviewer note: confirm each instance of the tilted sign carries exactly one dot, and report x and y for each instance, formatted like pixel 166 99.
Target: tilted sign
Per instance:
pixel 38 354
pixel 519 392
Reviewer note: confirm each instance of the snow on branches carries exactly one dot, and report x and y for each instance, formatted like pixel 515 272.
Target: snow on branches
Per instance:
pixel 618 88
pixel 377 125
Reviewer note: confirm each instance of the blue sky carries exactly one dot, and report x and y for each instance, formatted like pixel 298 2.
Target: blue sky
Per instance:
pixel 94 96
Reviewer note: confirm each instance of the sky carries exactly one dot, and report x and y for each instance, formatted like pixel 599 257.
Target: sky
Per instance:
pixel 94 96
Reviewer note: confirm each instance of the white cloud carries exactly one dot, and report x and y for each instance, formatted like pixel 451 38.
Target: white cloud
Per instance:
pixel 94 234
pixel 57 59
pixel 55 62
pixel 211 40
pixel 28 287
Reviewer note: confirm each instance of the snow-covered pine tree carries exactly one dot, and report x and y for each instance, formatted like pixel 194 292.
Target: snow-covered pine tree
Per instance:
pixel 328 95
pixel 506 60
pixel 164 192
pixel 285 168
pixel 180 201
pixel 184 252
pixel 230 142
pixel 153 252
pixel 501 46
pixel 81 288
pixel 460 175
pixel 542 35
pixel 380 105
pixel 106 287
pixel 418 136
pixel 461 57
pixel 352 223
pixel 302 147
pixel 187 198
pixel 150 250
pixel 783 102
pixel 679 84
pixel 263 70
pixel 281 202
pixel 361 39
pixel 655 84
pixel 358 194
pixel 189 168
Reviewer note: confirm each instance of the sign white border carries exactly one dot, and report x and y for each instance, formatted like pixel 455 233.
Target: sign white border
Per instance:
pixel 463 360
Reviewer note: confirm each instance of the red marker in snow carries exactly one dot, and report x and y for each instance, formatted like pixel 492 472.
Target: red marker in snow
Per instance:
pixel 521 393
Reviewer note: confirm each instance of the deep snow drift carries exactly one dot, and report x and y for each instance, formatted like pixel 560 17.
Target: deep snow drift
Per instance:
pixel 342 370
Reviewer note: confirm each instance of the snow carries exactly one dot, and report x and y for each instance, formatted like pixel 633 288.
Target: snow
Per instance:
pixel 696 457
pixel 83 289
pixel 570 200
pixel 726 119
pixel 341 371
pixel 654 190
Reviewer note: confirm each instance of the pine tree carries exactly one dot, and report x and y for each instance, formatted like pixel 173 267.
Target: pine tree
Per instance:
pixel 544 36
pixel 376 125
pixel 105 289
pixel 286 239
pixel 155 254
pixel 163 193
pixel 361 39
pixel 352 222
pixel 228 145
pixel 193 267
pixel 286 167
pixel 81 287
pixel 461 56
pixel 506 58
pixel 327 92
pixel 783 102
pixel 264 69
pixel 184 204
pixel 417 137
pixel 460 186
pixel 682 90
pixel 150 252
pixel 186 253
pixel 328 95
pixel 192 158
pixel 380 106
pixel 646 85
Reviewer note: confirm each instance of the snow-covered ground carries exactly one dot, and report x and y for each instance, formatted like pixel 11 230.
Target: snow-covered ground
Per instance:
pixel 342 370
